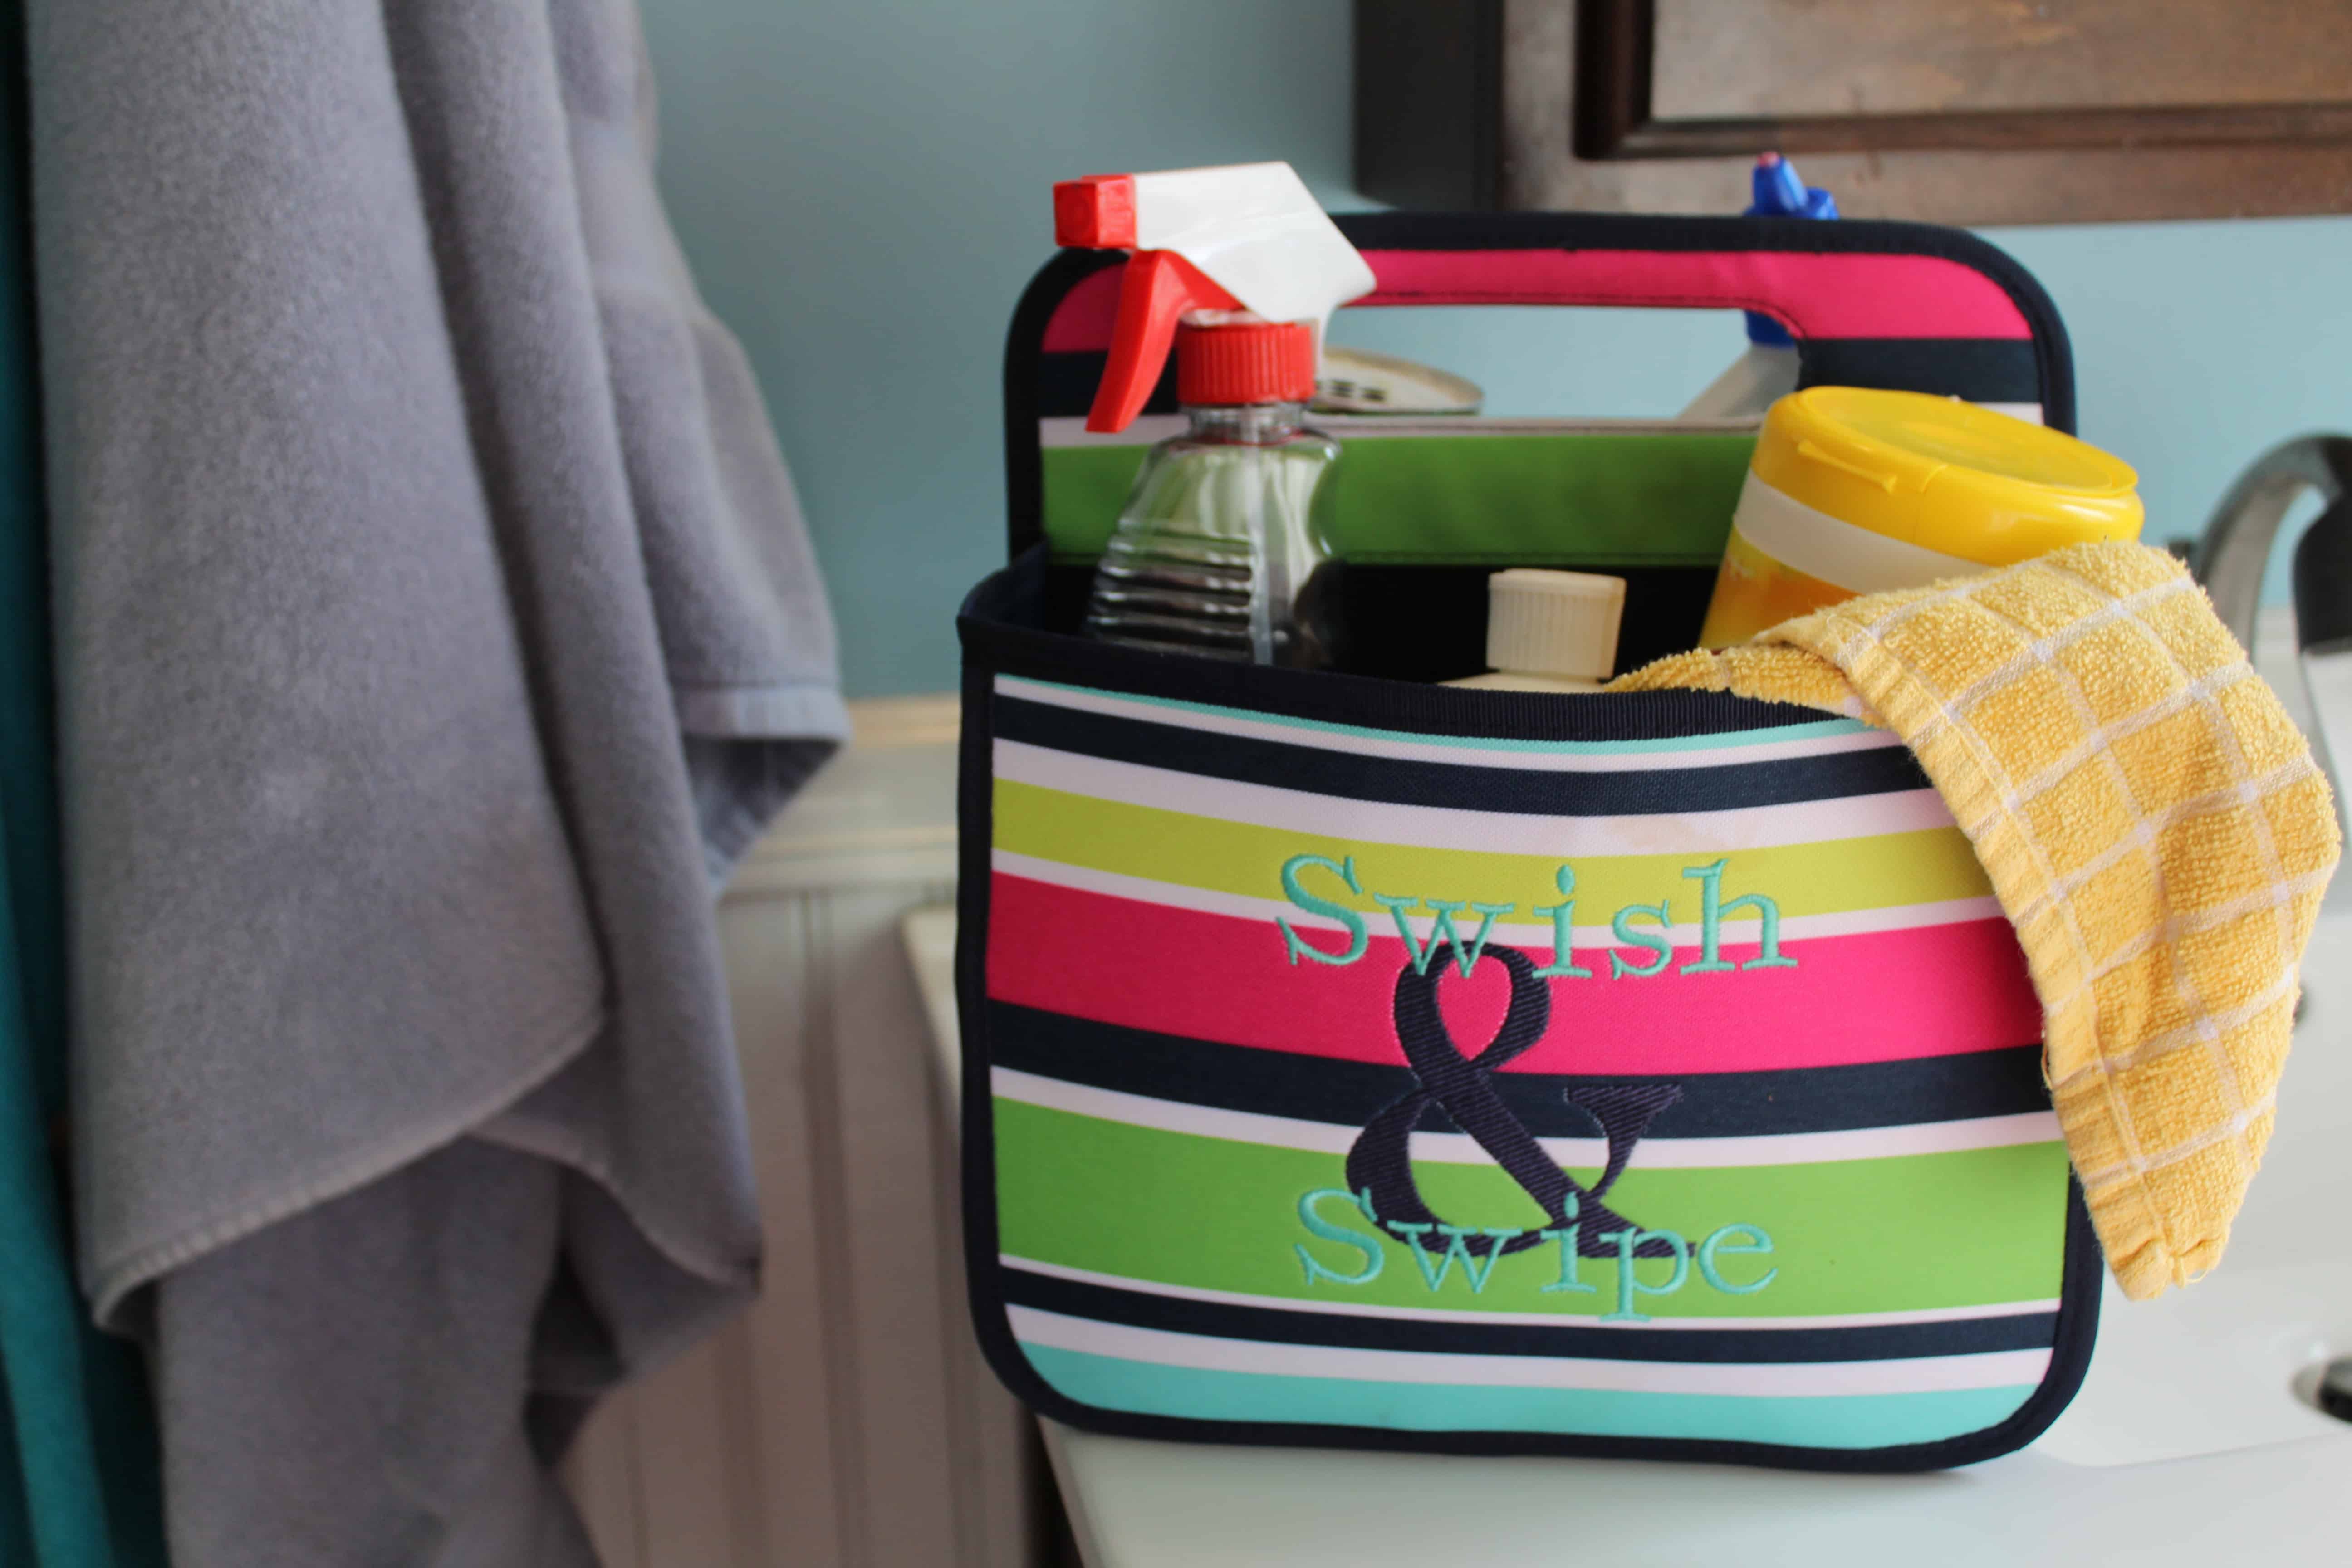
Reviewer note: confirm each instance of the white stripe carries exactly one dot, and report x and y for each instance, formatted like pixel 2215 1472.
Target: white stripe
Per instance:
pixel 1741 931
pixel 1838 552
pixel 2029 412
pixel 1996 1369
pixel 1530 756
pixel 1523 1319
pixel 1448 827
pixel 1574 1154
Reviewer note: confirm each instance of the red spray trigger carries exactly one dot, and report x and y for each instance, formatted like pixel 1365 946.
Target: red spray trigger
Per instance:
pixel 1097 213
pixel 1159 288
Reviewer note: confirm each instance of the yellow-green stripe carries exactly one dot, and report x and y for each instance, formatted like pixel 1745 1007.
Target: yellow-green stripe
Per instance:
pixel 1909 1233
pixel 1884 870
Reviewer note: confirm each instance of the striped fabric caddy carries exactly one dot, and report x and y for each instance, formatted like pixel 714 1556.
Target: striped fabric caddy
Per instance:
pixel 1355 1061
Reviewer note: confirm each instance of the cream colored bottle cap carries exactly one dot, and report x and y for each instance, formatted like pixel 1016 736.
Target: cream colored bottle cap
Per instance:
pixel 1553 623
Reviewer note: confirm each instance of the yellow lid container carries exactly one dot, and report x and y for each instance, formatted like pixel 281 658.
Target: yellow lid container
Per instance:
pixel 1854 491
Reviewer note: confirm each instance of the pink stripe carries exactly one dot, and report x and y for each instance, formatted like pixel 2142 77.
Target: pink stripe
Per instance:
pixel 1814 295
pixel 1081 324
pixel 1932 991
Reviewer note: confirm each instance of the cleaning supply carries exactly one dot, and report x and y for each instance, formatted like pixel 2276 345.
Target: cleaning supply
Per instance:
pixel 1855 490
pixel 1549 631
pixel 1221 548
pixel 1358 381
pixel 2153 824
pixel 1769 369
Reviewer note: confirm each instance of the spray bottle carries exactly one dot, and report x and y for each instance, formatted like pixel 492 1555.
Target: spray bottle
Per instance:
pixel 1769 369
pixel 1221 548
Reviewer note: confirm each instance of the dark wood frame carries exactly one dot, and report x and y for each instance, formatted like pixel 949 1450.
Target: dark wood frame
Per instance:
pixel 1613 43
pixel 1521 104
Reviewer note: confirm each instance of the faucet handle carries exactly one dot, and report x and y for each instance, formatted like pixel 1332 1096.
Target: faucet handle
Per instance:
pixel 2323 580
pixel 2234 550
pixel 2323 620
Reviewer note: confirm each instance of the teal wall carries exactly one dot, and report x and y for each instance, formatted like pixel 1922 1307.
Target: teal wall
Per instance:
pixel 862 190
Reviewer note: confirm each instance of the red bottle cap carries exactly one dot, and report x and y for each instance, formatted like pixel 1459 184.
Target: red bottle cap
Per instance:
pixel 1244 362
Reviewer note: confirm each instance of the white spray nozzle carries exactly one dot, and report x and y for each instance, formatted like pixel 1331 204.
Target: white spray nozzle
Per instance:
pixel 1255 230
pixel 1250 231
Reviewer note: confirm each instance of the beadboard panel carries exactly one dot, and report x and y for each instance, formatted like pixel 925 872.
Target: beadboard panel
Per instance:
pixel 847 1420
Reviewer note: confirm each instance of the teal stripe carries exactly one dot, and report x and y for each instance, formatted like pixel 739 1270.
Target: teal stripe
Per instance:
pixel 1823 1421
pixel 1717 741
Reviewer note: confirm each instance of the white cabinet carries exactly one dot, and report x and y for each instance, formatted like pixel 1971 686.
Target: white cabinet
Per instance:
pixel 847 1419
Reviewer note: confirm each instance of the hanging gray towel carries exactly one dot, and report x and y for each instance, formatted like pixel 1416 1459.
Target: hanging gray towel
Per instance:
pixel 437 626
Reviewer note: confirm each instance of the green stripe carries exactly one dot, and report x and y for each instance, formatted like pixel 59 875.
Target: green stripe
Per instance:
pixel 1821 1421
pixel 1720 739
pixel 1883 871
pixel 1574 499
pixel 1914 1232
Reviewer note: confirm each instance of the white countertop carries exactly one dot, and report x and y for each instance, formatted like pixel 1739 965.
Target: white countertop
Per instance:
pixel 2189 1444
pixel 1166 1505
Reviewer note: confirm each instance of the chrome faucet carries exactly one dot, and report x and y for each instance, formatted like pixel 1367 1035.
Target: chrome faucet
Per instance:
pixel 2234 552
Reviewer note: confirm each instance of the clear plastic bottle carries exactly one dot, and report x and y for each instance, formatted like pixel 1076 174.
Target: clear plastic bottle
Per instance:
pixel 1222 548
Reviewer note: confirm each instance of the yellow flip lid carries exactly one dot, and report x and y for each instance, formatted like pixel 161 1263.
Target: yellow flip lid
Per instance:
pixel 1948 476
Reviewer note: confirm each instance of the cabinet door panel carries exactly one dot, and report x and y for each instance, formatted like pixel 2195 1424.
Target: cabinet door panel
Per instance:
pixel 1771 58
pixel 1972 112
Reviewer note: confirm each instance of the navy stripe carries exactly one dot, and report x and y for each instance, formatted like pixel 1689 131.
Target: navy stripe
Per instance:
pixel 1005 621
pixel 1982 370
pixel 1634 790
pixel 1578 1338
pixel 1319 1088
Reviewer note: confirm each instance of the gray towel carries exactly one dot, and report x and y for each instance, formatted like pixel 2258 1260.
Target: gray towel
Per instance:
pixel 435 627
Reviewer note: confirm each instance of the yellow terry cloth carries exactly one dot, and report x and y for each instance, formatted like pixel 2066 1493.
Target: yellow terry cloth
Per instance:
pixel 2153 824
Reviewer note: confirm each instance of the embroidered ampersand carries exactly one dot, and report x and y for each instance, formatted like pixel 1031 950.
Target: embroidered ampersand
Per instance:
pixel 1380 1160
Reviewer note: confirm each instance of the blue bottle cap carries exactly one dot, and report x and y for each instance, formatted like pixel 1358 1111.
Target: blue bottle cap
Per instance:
pixel 1779 192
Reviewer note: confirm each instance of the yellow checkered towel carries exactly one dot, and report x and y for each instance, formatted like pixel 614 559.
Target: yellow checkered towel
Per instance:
pixel 2153 824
